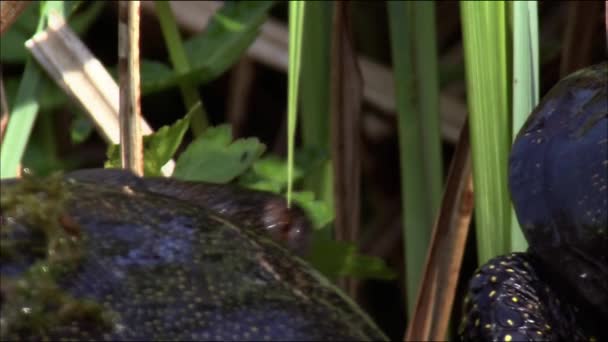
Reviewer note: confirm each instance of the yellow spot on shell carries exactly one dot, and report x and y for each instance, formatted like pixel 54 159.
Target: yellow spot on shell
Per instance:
pixel 538 332
pixel 510 270
pixel 514 299
pixel 510 322
pixel 508 338
pixel 493 279
pixel 492 293
pixel 487 326
pixel 477 322
pixel 548 326
pixel 491 267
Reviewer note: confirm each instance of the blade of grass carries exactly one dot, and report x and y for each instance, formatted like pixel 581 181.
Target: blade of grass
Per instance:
pixel 296 18
pixel 24 113
pixel 412 30
pixel 525 83
pixel 484 38
pixel 179 59
pixel 315 92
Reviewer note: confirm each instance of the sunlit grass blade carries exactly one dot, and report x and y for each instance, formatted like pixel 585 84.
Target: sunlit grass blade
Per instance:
pixel 26 105
pixel 412 29
pixel 296 18
pixel 180 62
pixel 485 48
pixel 525 82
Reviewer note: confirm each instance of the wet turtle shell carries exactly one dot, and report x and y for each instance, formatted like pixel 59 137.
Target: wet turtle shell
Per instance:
pixel 148 266
pixel 558 177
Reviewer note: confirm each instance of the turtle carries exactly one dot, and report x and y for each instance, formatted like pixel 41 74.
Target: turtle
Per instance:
pixel 106 255
pixel 558 179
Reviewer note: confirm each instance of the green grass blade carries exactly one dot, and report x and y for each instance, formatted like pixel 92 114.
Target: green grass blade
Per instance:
pixel 485 46
pixel 315 94
pixel 179 59
pixel 26 105
pixel 412 30
pixel 525 82
pixel 296 18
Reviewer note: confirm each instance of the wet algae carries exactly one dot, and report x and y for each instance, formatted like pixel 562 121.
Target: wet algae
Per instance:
pixel 148 266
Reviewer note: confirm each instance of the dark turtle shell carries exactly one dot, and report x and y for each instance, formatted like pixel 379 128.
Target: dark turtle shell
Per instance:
pixel 558 178
pixel 558 173
pixel 152 267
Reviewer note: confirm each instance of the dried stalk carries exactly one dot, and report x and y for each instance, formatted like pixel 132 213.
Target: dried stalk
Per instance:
pixel 9 12
pixel 129 112
pixel 74 68
pixel 436 294
pixel 346 99
pixel 3 109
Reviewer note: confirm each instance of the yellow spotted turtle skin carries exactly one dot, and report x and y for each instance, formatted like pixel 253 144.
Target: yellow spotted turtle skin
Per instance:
pixel 509 301
pixel 166 269
pixel 558 179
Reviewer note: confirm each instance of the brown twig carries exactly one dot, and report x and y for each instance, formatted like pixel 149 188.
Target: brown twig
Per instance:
pixel 131 142
pixel 239 93
pixel 346 99
pixel 9 12
pixel 3 108
pixel 431 315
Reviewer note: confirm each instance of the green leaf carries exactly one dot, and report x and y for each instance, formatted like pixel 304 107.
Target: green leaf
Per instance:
pixel 320 212
pixel 155 76
pixel 13 41
pixel 80 129
pixel 268 173
pixel 214 157
pixel 339 258
pixel 159 147
pixel 230 32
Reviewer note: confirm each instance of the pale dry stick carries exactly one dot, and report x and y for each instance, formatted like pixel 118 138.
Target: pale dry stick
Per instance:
pixel 129 112
pixel 9 12
pixel 270 48
pixel 74 69
pixel 436 293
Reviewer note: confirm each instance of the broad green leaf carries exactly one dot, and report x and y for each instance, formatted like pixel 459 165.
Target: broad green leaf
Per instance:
pixel 229 33
pixel 159 147
pixel 80 129
pixel 339 258
pixel 13 41
pixel 268 173
pixel 155 76
pixel 214 157
pixel 320 212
